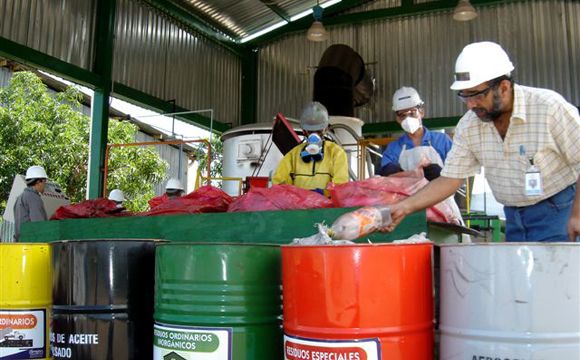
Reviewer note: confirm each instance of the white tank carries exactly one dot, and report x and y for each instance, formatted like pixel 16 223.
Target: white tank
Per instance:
pixel 516 301
pixel 249 151
pixel 347 139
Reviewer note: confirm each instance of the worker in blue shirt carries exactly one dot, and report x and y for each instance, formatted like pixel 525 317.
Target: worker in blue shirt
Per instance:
pixel 419 147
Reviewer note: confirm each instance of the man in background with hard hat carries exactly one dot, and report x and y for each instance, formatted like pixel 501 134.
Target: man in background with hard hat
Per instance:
pixel 528 140
pixel 174 189
pixel 418 147
pixel 316 162
pixel 118 197
pixel 28 205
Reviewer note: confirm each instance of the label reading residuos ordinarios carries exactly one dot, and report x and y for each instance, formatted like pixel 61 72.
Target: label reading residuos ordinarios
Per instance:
pixel 189 342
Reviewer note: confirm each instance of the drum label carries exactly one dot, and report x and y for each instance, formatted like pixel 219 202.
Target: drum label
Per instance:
pixel 23 334
pixel 313 349
pixel 173 342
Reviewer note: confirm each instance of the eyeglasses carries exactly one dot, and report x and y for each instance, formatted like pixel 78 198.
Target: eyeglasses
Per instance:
pixel 476 96
pixel 402 113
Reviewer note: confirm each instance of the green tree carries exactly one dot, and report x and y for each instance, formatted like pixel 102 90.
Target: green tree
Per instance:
pixel 217 149
pixel 39 128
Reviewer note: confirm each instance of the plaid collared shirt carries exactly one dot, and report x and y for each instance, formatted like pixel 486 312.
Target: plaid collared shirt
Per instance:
pixel 543 127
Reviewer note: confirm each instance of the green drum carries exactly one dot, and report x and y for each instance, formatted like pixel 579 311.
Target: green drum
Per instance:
pixel 217 302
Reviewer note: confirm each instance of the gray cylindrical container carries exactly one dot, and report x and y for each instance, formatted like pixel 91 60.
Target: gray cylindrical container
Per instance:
pixel 516 301
pixel 103 299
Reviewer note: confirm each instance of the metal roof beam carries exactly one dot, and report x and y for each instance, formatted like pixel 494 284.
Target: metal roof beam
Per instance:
pixel 405 10
pixel 218 35
pixel 277 10
pixel 304 23
pixel 332 17
pixel 39 60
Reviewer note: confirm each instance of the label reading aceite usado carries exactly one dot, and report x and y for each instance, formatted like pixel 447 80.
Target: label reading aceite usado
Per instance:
pixel 191 343
pixel 312 349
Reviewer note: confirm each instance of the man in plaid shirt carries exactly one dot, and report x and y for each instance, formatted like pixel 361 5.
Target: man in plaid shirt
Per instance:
pixel 528 141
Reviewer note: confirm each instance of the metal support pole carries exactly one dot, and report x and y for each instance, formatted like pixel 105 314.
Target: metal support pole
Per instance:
pixel 103 66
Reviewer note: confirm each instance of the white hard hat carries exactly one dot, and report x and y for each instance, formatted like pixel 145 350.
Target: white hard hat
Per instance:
pixel 36 172
pixel 117 195
pixel 480 62
pixel 406 98
pixel 314 117
pixel 173 184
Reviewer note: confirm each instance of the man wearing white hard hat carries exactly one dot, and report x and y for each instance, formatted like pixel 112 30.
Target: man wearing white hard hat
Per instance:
pixel 419 147
pixel 174 189
pixel 118 197
pixel 28 206
pixel 316 162
pixel 528 141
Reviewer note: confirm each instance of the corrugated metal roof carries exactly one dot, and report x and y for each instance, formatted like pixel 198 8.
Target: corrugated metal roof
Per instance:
pixel 239 19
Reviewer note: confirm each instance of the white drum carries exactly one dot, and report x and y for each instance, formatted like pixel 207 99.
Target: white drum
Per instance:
pixel 510 301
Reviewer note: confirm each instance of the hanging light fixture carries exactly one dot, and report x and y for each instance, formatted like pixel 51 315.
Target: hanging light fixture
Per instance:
pixel 464 11
pixel 317 32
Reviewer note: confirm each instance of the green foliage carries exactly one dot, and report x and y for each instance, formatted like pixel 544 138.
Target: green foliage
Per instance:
pixel 37 128
pixel 217 149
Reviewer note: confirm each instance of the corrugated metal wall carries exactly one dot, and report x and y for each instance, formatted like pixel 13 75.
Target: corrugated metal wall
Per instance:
pixel 7 231
pixel 156 56
pixel 542 38
pixel 60 28
pixel 152 53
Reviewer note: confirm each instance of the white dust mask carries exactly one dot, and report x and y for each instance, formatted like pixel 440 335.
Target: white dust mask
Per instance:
pixel 411 124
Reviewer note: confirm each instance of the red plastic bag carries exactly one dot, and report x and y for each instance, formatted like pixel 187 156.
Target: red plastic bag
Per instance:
pixel 375 191
pixel 158 200
pixel 206 199
pixel 95 208
pixel 390 190
pixel 279 197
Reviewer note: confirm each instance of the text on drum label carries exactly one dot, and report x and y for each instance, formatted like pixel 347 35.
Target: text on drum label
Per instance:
pixel 306 352
pixel 65 353
pixel 25 321
pixel 484 357
pixel 80 339
pixel 83 339
pixel 186 340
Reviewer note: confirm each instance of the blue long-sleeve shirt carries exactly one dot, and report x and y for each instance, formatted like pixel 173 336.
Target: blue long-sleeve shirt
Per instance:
pixel 439 141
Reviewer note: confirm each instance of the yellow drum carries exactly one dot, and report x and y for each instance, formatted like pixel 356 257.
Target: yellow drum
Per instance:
pixel 25 300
